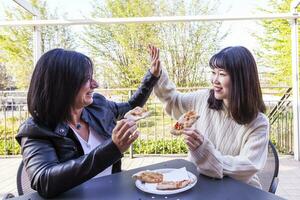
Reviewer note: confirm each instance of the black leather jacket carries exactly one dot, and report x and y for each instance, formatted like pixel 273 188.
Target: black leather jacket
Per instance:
pixel 54 160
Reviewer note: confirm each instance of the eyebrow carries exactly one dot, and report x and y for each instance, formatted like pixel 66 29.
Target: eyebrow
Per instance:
pixel 222 70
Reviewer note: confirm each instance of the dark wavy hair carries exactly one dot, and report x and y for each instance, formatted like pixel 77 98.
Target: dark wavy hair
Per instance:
pixel 245 98
pixel 55 82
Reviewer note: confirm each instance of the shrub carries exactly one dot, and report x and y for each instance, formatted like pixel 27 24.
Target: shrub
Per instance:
pixel 159 146
pixel 9 147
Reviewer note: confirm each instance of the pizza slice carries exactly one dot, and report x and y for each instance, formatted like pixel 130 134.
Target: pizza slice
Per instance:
pixel 137 113
pixel 149 177
pixel 185 121
pixel 172 185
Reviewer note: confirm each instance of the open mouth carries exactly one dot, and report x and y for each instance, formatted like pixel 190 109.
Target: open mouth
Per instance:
pixel 90 93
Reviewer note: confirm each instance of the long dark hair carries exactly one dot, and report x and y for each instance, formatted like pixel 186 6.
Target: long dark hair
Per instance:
pixel 55 82
pixel 245 98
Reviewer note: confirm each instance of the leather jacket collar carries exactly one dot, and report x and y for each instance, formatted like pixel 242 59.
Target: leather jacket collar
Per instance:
pixel 63 128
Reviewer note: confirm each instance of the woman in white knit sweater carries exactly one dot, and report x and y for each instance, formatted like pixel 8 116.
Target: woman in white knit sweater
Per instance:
pixel 231 136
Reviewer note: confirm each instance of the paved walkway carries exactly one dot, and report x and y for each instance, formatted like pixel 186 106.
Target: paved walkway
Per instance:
pixel 289 173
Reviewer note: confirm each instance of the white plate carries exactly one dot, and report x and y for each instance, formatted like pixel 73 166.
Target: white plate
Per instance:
pixel 153 190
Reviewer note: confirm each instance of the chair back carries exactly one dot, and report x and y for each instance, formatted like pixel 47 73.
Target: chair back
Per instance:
pixel 23 182
pixel 268 176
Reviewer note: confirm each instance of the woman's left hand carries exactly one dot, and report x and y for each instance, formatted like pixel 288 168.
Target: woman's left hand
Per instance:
pixel 192 138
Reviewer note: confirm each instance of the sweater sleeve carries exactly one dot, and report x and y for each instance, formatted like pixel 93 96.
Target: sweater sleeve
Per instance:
pixel 175 103
pixel 251 159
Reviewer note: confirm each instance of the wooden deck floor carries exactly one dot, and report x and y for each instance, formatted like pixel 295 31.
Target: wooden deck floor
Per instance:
pixel 289 173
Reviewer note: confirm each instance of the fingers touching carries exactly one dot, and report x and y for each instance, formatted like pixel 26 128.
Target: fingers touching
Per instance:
pixel 155 62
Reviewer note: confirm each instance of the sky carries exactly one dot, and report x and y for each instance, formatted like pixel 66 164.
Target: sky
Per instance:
pixel 240 31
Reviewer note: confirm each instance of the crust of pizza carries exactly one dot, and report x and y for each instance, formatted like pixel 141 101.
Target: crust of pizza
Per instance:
pixel 149 177
pixel 137 113
pixel 176 132
pixel 172 185
pixel 185 121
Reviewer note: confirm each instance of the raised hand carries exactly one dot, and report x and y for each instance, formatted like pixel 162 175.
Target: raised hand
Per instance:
pixel 155 62
pixel 124 134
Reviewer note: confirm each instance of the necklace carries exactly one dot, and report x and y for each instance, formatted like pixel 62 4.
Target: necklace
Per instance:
pixel 78 126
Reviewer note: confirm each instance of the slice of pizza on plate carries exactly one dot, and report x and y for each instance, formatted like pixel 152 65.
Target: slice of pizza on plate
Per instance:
pixel 149 177
pixel 165 181
pixel 172 185
pixel 137 113
pixel 185 121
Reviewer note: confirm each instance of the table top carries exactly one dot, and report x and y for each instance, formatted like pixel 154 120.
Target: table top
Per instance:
pixel 122 186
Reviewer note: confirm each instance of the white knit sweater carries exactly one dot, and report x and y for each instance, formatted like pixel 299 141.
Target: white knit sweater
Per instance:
pixel 229 149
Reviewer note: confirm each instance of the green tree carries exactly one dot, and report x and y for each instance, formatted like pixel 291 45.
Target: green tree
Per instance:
pixel 275 43
pixel 188 46
pixel 121 50
pixel 16 43
pixel 4 77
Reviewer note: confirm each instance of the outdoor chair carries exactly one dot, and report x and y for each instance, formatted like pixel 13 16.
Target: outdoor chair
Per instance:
pixel 268 176
pixel 23 183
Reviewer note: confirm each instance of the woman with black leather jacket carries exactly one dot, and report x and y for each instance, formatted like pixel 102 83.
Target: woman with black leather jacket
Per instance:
pixel 73 134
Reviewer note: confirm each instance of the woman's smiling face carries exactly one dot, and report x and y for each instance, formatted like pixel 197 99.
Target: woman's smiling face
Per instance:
pixel 85 94
pixel 220 80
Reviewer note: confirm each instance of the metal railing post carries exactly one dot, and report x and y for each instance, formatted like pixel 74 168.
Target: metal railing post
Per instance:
pixel 37 50
pixel 295 72
pixel 36 32
pixel 131 146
